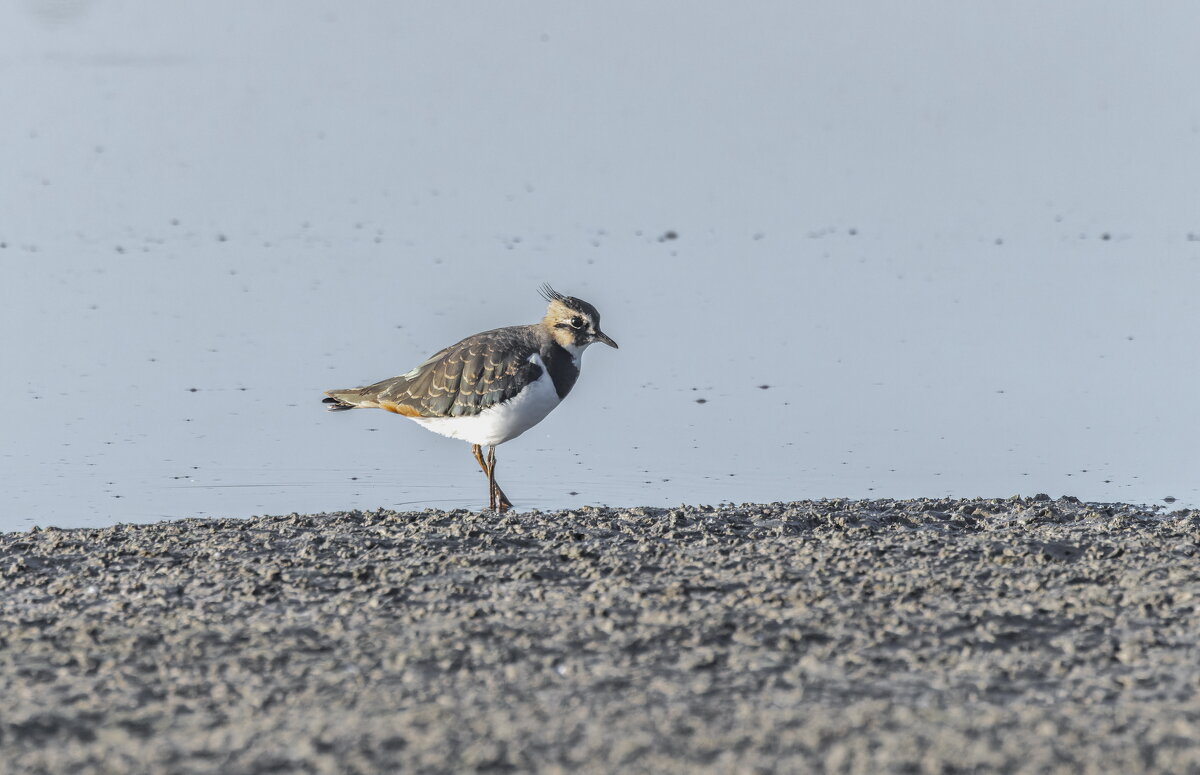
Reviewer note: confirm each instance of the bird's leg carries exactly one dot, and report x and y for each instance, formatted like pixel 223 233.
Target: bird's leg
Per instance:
pixel 491 463
pixel 477 451
pixel 503 504
pixel 497 500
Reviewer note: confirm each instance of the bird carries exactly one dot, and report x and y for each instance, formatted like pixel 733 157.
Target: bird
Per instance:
pixel 491 387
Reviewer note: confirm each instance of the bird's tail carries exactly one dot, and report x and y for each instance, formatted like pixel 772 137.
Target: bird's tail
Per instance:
pixel 341 400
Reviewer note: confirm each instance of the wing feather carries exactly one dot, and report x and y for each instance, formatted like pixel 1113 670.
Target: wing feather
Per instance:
pixel 465 378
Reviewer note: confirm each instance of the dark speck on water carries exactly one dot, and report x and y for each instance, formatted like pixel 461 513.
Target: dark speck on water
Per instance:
pixel 702 400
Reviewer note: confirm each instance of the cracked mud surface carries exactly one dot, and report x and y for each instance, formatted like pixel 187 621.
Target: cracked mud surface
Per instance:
pixel 1024 635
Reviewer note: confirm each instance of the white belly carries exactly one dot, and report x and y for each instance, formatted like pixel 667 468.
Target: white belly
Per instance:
pixel 501 422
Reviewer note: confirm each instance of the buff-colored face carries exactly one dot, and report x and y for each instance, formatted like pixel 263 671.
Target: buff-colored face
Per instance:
pixel 575 324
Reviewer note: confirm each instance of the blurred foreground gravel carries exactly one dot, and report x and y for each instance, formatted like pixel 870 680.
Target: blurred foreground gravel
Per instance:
pixel 1024 635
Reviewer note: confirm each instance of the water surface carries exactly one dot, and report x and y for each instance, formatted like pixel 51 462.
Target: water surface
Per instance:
pixel 930 251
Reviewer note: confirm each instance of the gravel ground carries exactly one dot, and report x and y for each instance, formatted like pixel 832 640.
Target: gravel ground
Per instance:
pixel 1022 635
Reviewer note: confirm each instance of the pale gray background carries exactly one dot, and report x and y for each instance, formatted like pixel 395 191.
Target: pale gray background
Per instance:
pixel 960 242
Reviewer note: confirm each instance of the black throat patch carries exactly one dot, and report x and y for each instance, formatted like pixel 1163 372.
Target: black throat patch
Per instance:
pixel 562 368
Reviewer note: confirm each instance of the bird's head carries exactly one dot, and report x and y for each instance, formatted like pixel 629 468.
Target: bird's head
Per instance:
pixel 572 322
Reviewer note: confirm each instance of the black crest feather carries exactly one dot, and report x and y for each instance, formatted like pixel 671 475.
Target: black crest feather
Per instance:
pixel 549 294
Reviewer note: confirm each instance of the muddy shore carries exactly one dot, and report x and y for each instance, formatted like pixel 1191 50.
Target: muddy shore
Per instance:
pixel 1017 635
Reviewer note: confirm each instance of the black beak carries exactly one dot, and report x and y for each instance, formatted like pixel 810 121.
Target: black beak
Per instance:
pixel 600 336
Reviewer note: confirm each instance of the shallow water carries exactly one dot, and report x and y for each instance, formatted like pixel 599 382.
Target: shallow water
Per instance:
pixel 966 267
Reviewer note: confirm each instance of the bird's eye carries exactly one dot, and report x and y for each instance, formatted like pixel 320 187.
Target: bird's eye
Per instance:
pixel 576 322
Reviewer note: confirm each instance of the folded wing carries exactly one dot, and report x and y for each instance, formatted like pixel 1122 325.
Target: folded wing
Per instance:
pixel 459 381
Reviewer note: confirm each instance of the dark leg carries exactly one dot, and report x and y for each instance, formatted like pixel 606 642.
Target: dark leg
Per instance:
pixel 477 451
pixel 497 500
pixel 502 504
